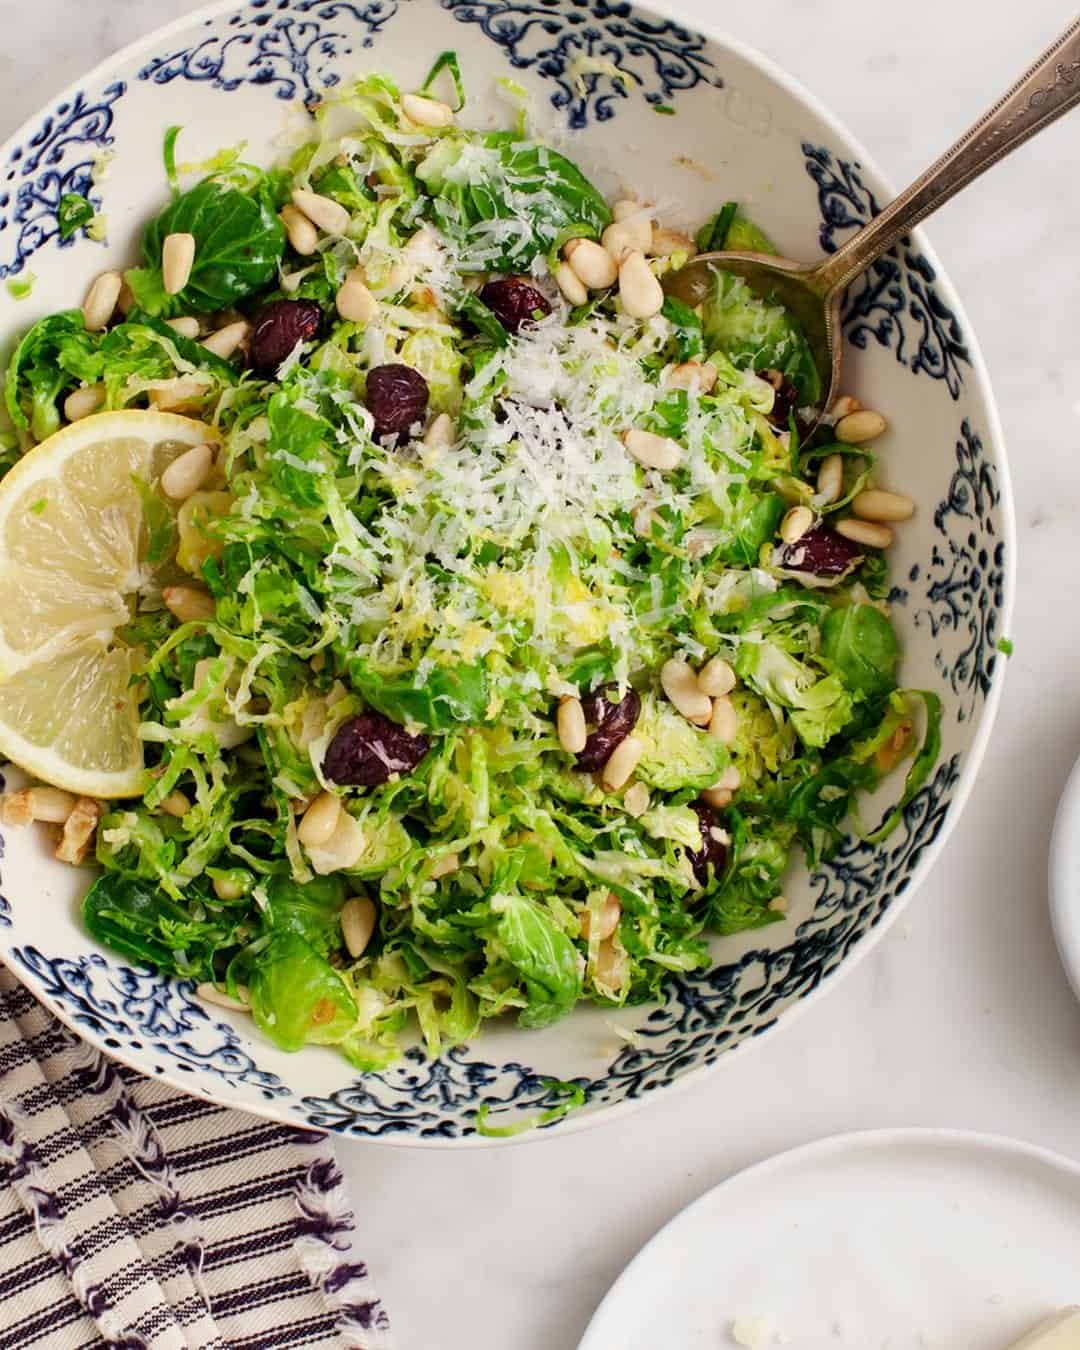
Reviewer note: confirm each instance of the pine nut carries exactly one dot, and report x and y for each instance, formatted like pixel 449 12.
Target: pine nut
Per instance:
pixel 780 904
pixel 50 804
pixel 724 722
pixel 227 889
pixel 328 214
pixel 82 402
pixel 354 301
pixel 699 375
pixel 176 804
pixel 857 427
pixel 641 294
pixel 830 479
pixel 320 820
pixel 844 404
pixel 571 285
pixel 618 241
pixel 422 249
pixel 442 432
pixel 358 918
pixel 445 866
pixel 603 921
pixel 573 732
pixel 210 993
pixel 592 264
pixel 427 112
pixel 681 686
pixel 796 523
pixel 623 761
pixel 101 301
pixel 16 808
pixel 636 800
pixel 226 341
pixel 187 473
pixel 717 798
pixel 865 532
pixel 177 260
pixel 633 229
pixel 188 604
pixel 186 325
pixel 716 678
pixel 181 394
pixel 300 231
pixel 342 850
pixel 78 835
pixel 653 451
pixel 666 243
pixel 877 504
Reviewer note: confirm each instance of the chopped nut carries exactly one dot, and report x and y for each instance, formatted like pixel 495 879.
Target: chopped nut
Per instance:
pixel 78 835
pixel 16 808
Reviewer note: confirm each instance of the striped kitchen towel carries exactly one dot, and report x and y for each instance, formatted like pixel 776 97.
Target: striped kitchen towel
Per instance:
pixel 138 1218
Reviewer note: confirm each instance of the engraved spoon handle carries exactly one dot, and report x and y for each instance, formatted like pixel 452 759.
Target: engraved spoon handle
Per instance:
pixel 1050 88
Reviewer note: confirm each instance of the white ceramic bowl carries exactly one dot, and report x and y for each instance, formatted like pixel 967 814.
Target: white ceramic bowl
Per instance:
pixel 1065 878
pixel 734 127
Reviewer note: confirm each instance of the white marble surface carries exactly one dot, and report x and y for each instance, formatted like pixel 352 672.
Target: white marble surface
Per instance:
pixel 962 1017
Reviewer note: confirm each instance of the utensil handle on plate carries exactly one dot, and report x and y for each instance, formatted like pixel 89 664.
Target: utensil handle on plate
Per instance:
pixel 1050 88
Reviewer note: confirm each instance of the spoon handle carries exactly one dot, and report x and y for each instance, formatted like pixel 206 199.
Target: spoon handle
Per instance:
pixel 1051 87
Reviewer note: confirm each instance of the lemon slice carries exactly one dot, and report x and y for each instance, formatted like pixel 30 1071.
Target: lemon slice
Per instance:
pixel 73 543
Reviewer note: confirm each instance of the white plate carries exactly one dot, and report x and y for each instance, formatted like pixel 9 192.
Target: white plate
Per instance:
pixel 1065 878
pixel 894 1240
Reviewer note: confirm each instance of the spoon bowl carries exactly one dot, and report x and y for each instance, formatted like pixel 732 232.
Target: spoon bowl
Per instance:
pixel 812 293
pixel 780 281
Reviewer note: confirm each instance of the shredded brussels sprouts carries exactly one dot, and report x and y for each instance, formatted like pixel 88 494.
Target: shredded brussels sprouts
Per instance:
pixel 405 591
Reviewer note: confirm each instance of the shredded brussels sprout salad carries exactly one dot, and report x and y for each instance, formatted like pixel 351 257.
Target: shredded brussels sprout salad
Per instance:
pixel 512 641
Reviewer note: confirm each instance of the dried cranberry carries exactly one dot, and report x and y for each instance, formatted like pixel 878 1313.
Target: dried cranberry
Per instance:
pixel 514 302
pixel 397 398
pixel 714 845
pixel 786 400
pixel 367 749
pixel 611 723
pixel 821 551
pixel 280 326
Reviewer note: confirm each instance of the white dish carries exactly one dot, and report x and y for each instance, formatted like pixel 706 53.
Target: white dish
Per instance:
pixel 1065 878
pixel 892 1240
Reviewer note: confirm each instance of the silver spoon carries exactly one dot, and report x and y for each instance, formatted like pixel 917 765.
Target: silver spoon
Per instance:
pixel 813 294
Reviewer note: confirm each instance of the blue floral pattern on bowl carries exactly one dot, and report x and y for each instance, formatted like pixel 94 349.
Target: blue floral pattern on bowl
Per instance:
pixel 898 287
pixel 128 1008
pixel 596 53
pixel 964 584
pixel 289 46
pixel 957 593
pixel 57 159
